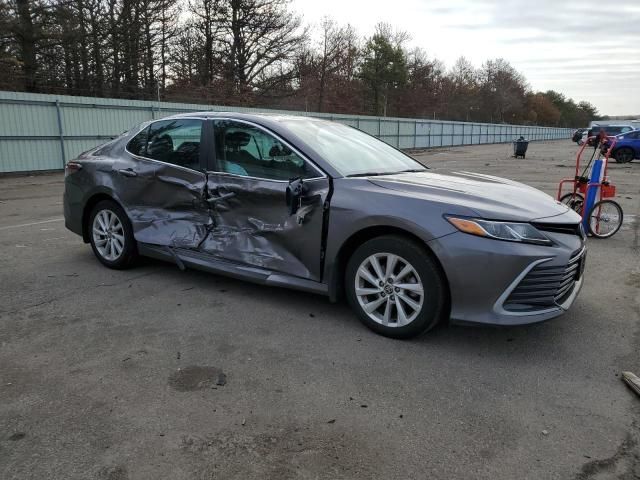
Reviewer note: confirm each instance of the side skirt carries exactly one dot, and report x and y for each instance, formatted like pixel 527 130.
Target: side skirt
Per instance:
pixel 209 263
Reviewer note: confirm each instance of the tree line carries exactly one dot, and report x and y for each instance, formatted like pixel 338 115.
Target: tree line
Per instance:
pixel 255 53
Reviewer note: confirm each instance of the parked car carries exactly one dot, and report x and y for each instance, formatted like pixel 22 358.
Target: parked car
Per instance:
pixel 323 207
pixel 609 130
pixel 627 147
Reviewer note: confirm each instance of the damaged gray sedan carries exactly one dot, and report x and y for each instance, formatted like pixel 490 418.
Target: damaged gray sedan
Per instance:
pixel 323 207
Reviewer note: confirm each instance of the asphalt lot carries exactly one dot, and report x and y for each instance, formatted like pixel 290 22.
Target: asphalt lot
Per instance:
pixel 90 386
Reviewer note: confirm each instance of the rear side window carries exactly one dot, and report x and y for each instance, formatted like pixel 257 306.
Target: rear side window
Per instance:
pixel 138 144
pixel 176 142
pixel 170 141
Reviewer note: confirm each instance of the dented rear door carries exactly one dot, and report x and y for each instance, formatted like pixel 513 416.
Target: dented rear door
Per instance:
pixel 159 182
pixel 246 190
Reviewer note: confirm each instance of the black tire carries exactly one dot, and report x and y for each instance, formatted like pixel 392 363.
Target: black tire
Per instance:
pixel 614 214
pixel 574 201
pixel 624 155
pixel 129 251
pixel 434 290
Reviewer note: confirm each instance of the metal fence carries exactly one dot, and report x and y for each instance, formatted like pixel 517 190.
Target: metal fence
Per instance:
pixel 43 132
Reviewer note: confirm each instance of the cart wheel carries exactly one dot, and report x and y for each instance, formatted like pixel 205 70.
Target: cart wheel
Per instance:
pixel 605 219
pixel 574 201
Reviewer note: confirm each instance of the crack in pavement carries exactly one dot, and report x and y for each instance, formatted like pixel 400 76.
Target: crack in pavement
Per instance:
pixel 66 294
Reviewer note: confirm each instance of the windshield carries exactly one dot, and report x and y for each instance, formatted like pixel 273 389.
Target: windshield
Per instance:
pixel 350 151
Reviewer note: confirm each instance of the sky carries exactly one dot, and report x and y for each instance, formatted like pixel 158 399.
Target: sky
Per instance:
pixel 587 49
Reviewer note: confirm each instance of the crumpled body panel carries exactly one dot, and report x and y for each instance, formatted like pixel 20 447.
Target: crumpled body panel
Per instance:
pixel 169 206
pixel 165 203
pixel 254 226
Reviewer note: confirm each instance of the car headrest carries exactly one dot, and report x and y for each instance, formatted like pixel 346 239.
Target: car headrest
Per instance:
pixel 160 144
pixel 237 139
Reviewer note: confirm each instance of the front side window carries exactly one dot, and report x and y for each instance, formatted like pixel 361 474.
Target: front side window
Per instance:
pixel 243 149
pixel 172 141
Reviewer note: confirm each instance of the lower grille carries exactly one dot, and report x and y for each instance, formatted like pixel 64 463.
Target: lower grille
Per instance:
pixel 546 286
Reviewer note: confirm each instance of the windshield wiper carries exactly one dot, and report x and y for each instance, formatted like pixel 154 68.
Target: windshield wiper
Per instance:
pixel 413 170
pixel 372 174
pixel 368 174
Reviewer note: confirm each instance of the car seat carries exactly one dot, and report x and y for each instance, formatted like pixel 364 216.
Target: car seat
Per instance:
pixel 237 158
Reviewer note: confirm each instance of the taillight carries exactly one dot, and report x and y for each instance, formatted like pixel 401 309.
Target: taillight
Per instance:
pixel 72 167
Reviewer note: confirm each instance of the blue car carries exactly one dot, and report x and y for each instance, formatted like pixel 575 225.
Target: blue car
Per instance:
pixel 627 147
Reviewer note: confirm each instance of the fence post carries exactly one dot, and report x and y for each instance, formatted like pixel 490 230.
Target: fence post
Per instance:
pixel 61 134
pixel 415 134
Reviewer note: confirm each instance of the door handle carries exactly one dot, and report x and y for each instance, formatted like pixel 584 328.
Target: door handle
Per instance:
pixel 213 200
pixel 127 172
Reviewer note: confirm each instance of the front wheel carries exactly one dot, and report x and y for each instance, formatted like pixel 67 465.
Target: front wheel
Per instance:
pixel 111 235
pixel 624 155
pixel 605 219
pixel 395 287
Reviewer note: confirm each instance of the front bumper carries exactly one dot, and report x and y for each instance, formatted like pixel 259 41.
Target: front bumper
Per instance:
pixel 483 273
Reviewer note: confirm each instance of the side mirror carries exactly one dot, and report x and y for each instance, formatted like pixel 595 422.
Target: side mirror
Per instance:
pixel 293 196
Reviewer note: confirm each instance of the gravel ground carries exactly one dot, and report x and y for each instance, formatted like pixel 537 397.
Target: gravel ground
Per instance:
pixel 155 373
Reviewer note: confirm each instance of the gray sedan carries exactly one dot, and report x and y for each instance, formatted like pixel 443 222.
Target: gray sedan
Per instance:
pixel 323 207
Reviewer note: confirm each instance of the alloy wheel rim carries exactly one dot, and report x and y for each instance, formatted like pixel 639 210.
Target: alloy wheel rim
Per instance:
pixel 108 235
pixel 389 290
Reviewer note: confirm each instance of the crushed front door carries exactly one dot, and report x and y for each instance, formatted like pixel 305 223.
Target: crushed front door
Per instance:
pixel 252 222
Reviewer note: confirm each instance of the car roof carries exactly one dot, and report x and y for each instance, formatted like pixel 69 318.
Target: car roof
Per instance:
pixel 259 117
pixel 613 125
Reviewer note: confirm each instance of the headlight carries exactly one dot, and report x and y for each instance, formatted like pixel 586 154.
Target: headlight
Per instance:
pixel 509 231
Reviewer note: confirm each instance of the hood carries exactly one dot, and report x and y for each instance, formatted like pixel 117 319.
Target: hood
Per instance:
pixel 490 197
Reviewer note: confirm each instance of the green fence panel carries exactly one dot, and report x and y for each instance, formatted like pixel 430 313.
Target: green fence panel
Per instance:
pixel 43 132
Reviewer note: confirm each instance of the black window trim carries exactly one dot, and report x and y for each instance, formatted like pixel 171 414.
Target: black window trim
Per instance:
pixel 202 160
pixel 216 166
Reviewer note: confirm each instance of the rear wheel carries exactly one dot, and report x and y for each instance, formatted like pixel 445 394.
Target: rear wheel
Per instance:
pixel 395 287
pixel 624 155
pixel 111 235
pixel 574 201
pixel 605 219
